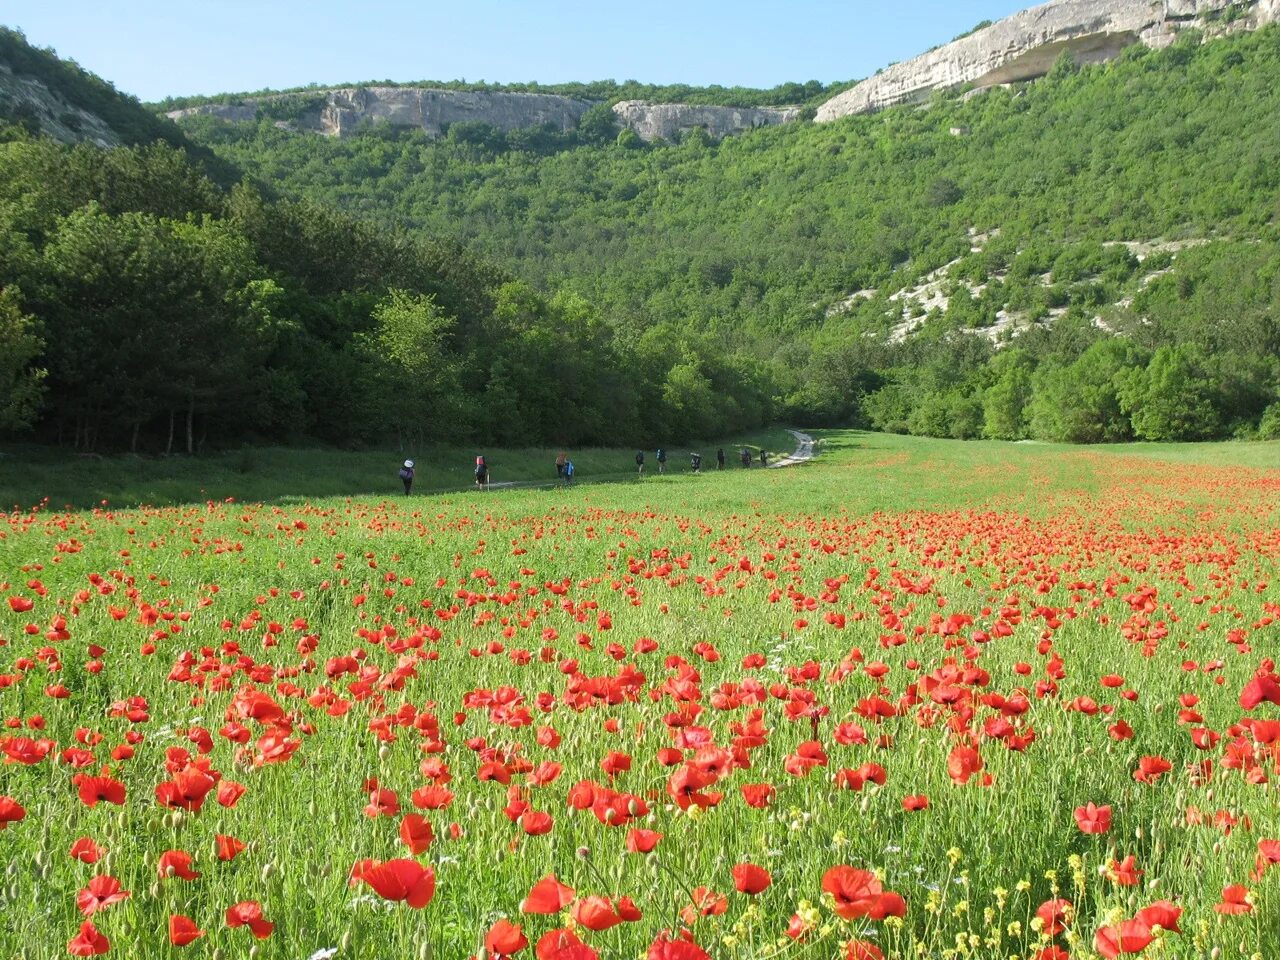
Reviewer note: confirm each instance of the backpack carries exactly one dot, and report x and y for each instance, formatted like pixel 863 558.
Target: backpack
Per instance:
pixel 568 469
pixel 662 455
pixel 640 457
pixel 406 473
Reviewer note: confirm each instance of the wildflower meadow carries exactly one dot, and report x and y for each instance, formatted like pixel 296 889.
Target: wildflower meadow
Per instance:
pixel 916 699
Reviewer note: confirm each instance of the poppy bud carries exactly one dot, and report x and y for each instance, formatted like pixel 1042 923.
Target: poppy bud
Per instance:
pixel 219 955
pixel 584 853
pixel 424 951
pixel 253 952
pixel 267 870
pixel 344 943
pixel 383 752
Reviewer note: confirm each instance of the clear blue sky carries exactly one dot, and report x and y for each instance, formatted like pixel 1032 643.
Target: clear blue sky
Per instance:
pixel 158 48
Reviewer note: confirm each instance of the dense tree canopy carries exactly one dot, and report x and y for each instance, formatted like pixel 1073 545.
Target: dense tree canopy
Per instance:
pixel 583 286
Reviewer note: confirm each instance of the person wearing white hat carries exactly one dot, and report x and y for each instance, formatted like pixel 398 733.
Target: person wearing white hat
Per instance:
pixel 406 475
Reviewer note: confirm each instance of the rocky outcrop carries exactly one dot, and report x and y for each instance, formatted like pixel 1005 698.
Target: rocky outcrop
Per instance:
pixel 1026 45
pixel 24 96
pixel 670 121
pixel 345 111
pixel 342 112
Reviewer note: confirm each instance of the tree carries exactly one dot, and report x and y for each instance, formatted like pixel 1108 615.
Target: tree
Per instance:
pixel 1171 399
pixel 21 381
pixel 413 377
pixel 1004 403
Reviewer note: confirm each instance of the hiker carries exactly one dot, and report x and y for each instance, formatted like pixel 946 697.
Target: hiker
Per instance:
pixel 720 458
pixel 662 460
pixel 560 462
pixel 640 462
pixel 568 473
pixel 764 458
pixel 482 473
pixel 745 457
pixel 695 462
pixel 406 475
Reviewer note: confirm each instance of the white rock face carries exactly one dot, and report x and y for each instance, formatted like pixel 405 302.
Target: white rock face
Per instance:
pixel 58 118
pixel 342 112
pixel 1026 45
pixel 669 121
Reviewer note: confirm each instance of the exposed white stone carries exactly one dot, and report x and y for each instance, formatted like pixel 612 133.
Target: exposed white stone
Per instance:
pixel 1027 44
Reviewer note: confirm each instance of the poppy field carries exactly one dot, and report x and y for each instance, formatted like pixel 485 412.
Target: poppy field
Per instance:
pixel 914 700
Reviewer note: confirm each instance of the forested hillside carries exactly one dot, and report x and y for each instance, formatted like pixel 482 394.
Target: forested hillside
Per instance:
pixel 876 270
pixel 1090 257
pixel 145 306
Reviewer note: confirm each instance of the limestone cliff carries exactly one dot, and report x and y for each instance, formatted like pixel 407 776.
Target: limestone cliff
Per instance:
pixel 25 96
pixel 342 112
pixel 1026 45
pixel 669 121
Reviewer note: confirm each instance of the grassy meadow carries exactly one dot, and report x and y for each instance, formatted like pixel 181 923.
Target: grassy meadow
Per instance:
pixel 916 699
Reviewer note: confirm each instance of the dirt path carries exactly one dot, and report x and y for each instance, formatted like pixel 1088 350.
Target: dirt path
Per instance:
pixel 802 454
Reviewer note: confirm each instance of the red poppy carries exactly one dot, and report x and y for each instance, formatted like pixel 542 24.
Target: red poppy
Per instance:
pixel 1130 936
pixel 183 930
pixel 681 948
pixel 11 811
pixel 1093 819
pixel 536 822
pixel 751 879
pixel 405 880
pixel 248 913
pixel 186 791
pixel 561 944
pixel 858 893
pixel 596 913
pixel 548 896
pixel 1056 915
pixel 416 833
pixel 94 790
pixel 862 950
pixel 642 841
pixel 1235 899
pixel 758 795
pixel 88 942
pixel 1161 914
pixel 86 850
pixel 176 863
pixel 1125 872
pixel 228 846
pixel 915 802
pixel 505 938
pixel 101 892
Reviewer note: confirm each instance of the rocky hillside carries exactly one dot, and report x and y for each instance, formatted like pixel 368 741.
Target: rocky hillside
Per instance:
pixel 345 111
pixel 1026 45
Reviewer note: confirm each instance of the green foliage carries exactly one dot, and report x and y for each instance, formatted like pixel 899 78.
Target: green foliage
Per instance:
pixel 1171 399
pixel 21 382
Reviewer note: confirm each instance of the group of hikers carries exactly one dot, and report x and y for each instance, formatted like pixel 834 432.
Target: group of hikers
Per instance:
pixel 565 468
pixel 695 460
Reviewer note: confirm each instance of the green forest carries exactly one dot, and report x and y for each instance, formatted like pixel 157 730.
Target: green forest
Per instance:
pixel 1090 257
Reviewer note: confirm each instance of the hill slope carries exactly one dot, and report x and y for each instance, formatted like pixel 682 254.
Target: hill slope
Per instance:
pixel 814 247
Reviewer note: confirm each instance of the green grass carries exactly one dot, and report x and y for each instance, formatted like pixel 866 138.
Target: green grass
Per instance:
pixel 29 474
pixel 1078 563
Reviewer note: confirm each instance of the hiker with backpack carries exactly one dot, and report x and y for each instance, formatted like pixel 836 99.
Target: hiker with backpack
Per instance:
pixel 764 457
pixel 406 475
pixel 720 458
pixel 482 473
pixel 745 457
pixel 568 473
pixel 662 460
pixel 561 459
pixel 640 462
